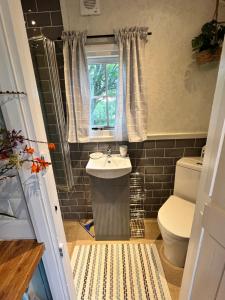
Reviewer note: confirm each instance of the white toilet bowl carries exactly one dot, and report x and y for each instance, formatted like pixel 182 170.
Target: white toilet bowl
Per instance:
pixel 175 219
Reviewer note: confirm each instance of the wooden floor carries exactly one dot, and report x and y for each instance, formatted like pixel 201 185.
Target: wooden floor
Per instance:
pixel 76 235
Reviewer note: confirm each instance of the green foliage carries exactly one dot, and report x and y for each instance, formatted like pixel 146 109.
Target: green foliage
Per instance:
pixel 210 38
pixel 103 82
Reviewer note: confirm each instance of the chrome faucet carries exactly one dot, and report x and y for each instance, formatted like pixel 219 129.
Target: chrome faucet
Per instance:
pixel 109 151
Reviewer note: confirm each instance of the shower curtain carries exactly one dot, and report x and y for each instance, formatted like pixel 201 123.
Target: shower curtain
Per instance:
pixel 77 86
pixel 132 106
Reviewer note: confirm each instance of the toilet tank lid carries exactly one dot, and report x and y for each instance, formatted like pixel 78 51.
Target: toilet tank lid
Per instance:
pixel 194 163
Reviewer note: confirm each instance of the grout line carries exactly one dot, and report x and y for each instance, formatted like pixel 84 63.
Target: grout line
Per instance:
pixel 50 14
pixel 42 27
pixel 36 5
pixel 41 12
pixel 195 142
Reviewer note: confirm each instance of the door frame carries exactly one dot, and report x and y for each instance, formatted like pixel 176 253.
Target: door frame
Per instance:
pixel 24 112
pixel 206 181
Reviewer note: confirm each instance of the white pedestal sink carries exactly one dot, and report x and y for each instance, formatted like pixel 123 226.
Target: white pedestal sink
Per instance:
pixel 109 167
pixel 109 182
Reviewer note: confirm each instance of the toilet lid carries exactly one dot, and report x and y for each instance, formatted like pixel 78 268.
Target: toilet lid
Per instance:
pixel 176 216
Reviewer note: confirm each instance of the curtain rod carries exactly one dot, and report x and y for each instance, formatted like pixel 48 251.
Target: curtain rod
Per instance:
pixel 100 36
pixel 105 36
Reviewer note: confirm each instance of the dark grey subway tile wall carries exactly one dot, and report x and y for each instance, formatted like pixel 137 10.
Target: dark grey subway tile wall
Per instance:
pixel 29 6
pixel 40 5
pixel 56 18
pixel 44 17
pixel 155 159
pixel 41 19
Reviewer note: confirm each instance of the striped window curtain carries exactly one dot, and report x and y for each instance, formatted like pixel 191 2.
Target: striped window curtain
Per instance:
pixel 132 106
pixel 77 86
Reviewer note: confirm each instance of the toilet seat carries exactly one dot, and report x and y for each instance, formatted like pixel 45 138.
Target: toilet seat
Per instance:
pixel 176 217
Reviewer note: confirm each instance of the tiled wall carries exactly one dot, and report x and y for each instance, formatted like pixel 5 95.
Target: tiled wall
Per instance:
pixel 46 95
pixel 47 15
pixel 48 18
pixel 155 159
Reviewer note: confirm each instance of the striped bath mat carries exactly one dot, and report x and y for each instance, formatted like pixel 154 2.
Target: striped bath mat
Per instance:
pixel 118 272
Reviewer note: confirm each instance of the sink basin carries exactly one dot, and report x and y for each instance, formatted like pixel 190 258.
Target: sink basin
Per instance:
pixel 109 167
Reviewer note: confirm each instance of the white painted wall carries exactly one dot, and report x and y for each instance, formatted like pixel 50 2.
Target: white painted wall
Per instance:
pixel 180 93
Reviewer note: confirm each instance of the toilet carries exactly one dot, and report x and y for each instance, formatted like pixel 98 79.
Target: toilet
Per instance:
pixel 175 217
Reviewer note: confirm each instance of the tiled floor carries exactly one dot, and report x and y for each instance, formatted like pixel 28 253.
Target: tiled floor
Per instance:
pixel 76 235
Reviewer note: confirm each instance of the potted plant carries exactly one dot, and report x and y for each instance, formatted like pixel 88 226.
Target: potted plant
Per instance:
pixel 208 44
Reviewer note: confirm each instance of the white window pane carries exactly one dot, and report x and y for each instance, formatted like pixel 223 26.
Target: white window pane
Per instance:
pixel 112 79
pixel 103 77
pixel 97 79
pixel 112 102
pixel 98 112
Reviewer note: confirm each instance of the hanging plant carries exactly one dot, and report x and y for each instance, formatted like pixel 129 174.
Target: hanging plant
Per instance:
pixel 208 44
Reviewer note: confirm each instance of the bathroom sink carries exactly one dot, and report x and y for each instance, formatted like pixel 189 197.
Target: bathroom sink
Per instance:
pixel 109 167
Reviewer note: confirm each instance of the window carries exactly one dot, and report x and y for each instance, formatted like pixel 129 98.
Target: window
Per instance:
pixel 103 81
pixel 103 68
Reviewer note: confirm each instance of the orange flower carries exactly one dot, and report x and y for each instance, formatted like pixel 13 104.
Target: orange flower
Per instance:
pixel 35 168
pixel 51 146
pixel 42 163
pixel 29 150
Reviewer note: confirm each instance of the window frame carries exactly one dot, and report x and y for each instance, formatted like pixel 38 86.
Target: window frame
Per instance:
pixel 102 54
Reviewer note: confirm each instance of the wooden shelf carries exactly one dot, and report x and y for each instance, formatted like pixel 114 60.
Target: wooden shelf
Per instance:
pixel 18 261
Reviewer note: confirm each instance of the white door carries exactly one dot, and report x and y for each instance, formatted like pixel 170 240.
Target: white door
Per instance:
pixel 24 113
pixel 204 277
pixel 209 281
pixel 12 200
